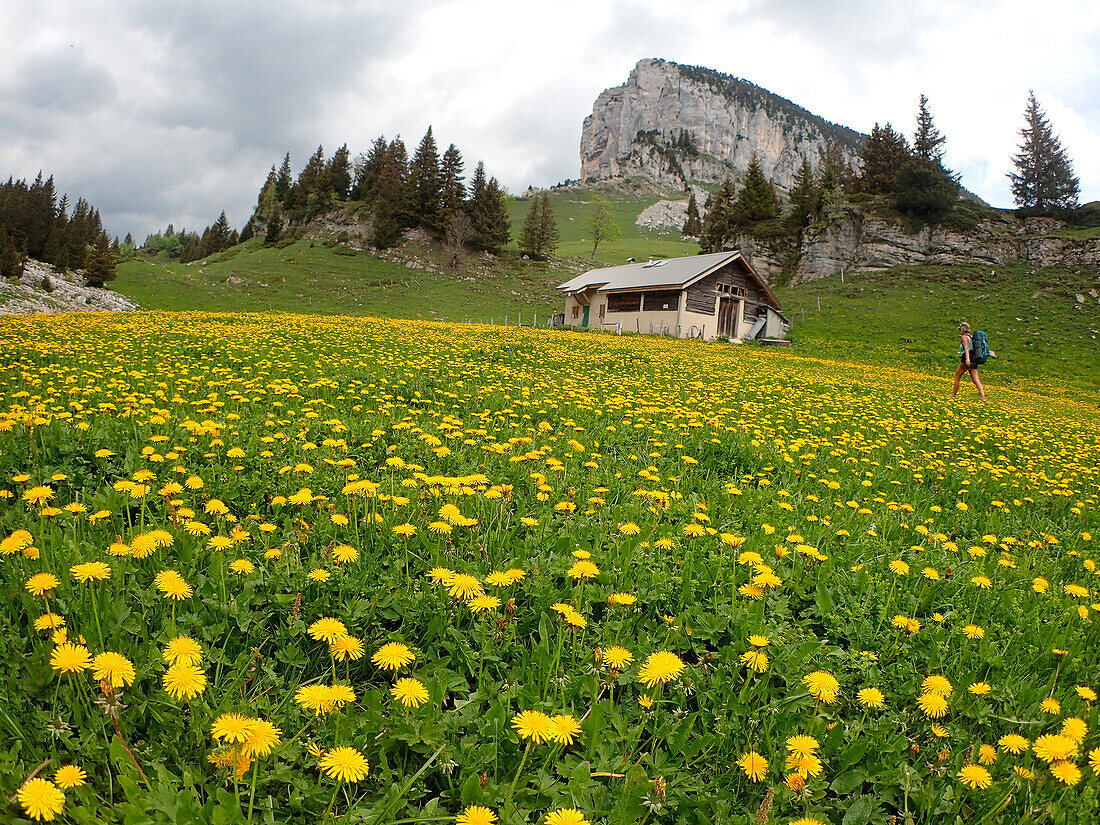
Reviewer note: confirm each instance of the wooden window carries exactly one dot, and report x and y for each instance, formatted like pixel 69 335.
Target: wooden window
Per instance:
pixel 603 308
pixel 666 299
pixel 576 311
pixel 624 302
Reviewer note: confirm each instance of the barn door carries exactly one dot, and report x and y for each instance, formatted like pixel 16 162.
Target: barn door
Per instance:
pixel 726 317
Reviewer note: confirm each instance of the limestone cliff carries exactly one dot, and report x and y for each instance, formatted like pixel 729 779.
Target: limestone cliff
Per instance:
pixel 672 124
pixel 862 241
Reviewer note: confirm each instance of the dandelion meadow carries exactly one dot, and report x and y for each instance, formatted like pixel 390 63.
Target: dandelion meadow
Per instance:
pixel 279 568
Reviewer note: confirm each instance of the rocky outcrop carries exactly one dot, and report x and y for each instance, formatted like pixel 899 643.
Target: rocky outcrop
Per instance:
pixel 672 124
pixel 860 241
pixel 42 289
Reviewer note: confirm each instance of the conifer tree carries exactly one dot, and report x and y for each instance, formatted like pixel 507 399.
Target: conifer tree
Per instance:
pixel 368 168
pixel 454 190
pixel 884 155
pixel 927 140
pixel 488 211
pixel 529 233
pixel 1043 181
pixel 99 262
pixel 539 237
pixel 805 198
pixel 756 201
pixel 718 225
pixel 548 227
pixel 338 174
pixel 284 180
pixel 129 241
pixel 925 188
pixel 11 258
pixel 693 225
pixel 425 190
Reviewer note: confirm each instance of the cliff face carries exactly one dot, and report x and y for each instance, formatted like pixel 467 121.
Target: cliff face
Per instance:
pixel 671 124
pixel 865 242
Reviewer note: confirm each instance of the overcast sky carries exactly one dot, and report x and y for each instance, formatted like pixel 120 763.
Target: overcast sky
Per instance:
pixel 172 111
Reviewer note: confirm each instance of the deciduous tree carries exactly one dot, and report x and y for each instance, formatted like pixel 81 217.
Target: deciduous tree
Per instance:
pixel 601 222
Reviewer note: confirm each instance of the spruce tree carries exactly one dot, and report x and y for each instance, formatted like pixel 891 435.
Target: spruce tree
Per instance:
pixel 925 188
pixel 284 180
pixel 338 174
pixel 693 225
pixel 488 211
pixel 805 197
pixel 1043 181
pixel 368 168
pixel 11 257
pixel 548 228
pixel 756 201
pixel 529 243
pixel 927 140
pixel 99 262
pixel 539 237
pixel 454 190
pixel 884 154
pixel 425 189
pixel 718 223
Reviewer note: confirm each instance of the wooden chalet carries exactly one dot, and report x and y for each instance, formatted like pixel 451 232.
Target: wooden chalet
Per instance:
pixel 702 296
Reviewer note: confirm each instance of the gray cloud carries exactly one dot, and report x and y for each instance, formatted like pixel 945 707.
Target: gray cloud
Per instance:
pixel 172 112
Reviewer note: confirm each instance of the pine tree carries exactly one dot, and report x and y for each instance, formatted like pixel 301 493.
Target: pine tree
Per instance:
pixel 309 191
pixel 425 189
pixel 99 262
pixel 885 153
pixel 495 227
pixel 925 188
pixel 756 201
pixel 388 198
pixel 129 241
pixel 454 190
pixel 284 180
pixel 805 197
pixel 718 223
pixel 601 222
pixel 548 228
pixel 1043 181
pixel 927 140
pixel 539 237
pixel 488 210
pixel 529 233
pixel 367 169
pixel 338 174
pixel 11 258
pixel 693 224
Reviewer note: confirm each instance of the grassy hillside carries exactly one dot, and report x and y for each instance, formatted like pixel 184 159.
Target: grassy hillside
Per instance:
pixel 906 316
pixel 572 209
pixel 311 277
pixel 909 316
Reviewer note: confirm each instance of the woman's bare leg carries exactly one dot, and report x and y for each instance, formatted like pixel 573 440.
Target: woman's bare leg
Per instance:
pixel 958 377
pixel 978 383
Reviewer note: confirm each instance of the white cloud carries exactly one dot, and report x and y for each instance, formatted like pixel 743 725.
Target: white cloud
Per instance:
pixel 171 112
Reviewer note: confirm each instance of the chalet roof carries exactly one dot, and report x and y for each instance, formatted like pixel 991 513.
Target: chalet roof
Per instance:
pixel 673 273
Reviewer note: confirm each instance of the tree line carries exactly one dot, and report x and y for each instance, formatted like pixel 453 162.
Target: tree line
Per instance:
pixel 35 223
pixel 428 191
pixel 911 174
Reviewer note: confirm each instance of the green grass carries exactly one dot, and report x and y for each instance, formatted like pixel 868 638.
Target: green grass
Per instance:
pixel 572 208
pixel 308 276
pixel 909 316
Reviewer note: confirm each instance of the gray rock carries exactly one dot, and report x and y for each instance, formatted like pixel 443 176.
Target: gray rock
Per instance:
pixel 66 293
pixel 729 127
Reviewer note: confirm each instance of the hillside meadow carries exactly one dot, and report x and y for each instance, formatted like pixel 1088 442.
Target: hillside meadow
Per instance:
pixel 288 568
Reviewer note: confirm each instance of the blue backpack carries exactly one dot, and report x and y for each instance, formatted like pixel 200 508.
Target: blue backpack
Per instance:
pixel 979 348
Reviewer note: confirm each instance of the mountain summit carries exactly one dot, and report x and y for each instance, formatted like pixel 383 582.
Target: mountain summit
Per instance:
pixel 672 124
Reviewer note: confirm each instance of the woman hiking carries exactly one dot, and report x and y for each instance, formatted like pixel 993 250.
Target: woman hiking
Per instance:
pixel 965 364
